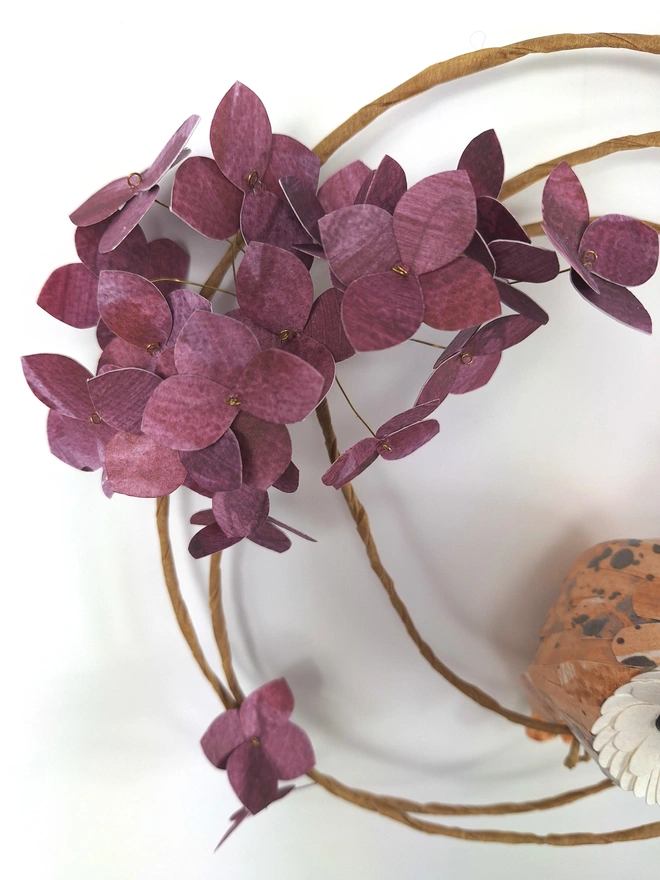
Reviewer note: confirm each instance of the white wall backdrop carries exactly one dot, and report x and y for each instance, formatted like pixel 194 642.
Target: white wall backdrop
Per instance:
pixel 103 707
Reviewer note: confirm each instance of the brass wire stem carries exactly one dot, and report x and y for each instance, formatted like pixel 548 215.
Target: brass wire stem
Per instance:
pixel 348 401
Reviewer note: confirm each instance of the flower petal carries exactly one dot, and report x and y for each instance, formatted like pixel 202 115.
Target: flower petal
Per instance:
pixel 304 204
pixel 69 295
pixel 476 374
pixel 252 776
pixel 103 203
pixel 273 288
pixel 341 188
pixel 288 157
pixel 139 466
pixel 616 301
pixel 289 481
pixel 408 440
pixel 435 220
pixel 241 136
pixel 387 185
pixel 500 334
pixel 218 467
pixel 484 162
pixel 404 419
pixel 291 529
pixel 382 310
pixel 270 537
pixel 440 383
pixel 359 240
pixel 118 353
pixel 278 387
pixel 60 383
pixel 518 301
pixel 129 256
pixel 621 249
pixel 215 346
pixel 120 397
pixel 223 735
pixel 351 463
pixel 209 540
pixel 183 304
pixel 459 295
pixel 565 207
pixel 268 219
pixel 134 309
pixel 170 153
pixel 647 756
pixel 268 706
pixel 289 750
pixel 125 221
pixel 80 444
pixel 265 449
pixel 519 261
pixel 240 511
pixel 167 259
pixel 325 325
pixel 494 222
pixel 203 198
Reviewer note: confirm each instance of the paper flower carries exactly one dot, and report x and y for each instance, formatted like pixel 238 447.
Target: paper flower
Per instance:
pixel 628 736
pixel 604 255
pixel 243 512
pixel 136 192
pixel 257 745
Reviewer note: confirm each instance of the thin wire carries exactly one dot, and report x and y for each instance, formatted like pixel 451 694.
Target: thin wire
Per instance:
pixel 348 401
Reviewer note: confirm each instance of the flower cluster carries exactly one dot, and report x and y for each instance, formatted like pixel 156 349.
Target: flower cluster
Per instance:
pixel 183 396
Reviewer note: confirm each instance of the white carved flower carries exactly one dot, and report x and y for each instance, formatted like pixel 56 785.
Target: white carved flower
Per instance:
pixel 628 736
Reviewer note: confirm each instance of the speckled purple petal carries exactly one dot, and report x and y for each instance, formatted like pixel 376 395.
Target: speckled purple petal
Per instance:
pixel 210 539
pixel 139 466
pixel 459 295
pixel 274 288
pixel 518 301
pixel 382 310
pixel 127 219
pixel 405 419
pixel 484 162
pixel 204 199
pixel 500 334
pixel 435 220
pixel 304 204
pixel 240 511
pixel 519 261
pixel 120 397
pixel 265 449
pixel 494 221
pixel 103 203
pixel 289 749
pixel 478 250
pixel 129 256
pixel 440 383
pixel 252 776
pixel 134 309
pixel 477 374
pixel 408 440
pixel 60 383
pixel 290 158
pixel 279 387
pixel 119 353
pixel 188 412
pixel 387 185
pixel 167 259
pixel 104 334
pixel 69 295
pixel 358 241
pixel 351 463
pixel 289 481
pixel 313 353
pixel 223 735
pixel 565 208
pixel 456 346
pixel 183 304
pixel 325 325
pixel 341 188
pixel 616 301
pixel 269 706
pixel 270 537
pixel 620 249
pixel 265 338
pixel 214 346
pixel 268 219
pixel 361 197
pixel 241 136
pixel 169 154
pixel 291 529
pixel 202 517
pixel 77 443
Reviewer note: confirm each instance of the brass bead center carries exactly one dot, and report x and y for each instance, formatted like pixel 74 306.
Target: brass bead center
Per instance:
pixel 134 179
pixel 234 401
pixel 253 179
pixel 96 418
pixel 466 358
pixel 153 347
pixel 400 270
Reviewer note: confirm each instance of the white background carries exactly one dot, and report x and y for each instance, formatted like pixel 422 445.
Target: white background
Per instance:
pixel 103 776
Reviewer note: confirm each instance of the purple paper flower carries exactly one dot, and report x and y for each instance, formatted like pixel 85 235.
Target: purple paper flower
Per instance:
pixel 257 745
pixel 239 513
pixel 604 255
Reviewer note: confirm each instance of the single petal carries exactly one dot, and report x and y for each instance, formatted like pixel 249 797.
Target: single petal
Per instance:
pixel 291 529
pixel 170 153
pixel 80 444
pixel 125 221
pixel 289 481
pixel 459 295
pixel 494 222
pixel 361 197
pixel 478 250
pixel 288 157
pixel 270 537
pixel 325 325
pixel 188 412
pixel 313 353
pixel 223 735
pixel 119 353
pixel 382 310
pixel 648 691
pixel 435 220
pixel 500 334
pixel 518 301
pixel 265 449
pixel 241 136
pixel 637 720
pixel 476 374
pixel 134 309
pixel 104 334
pixel 278 387
pixel 218 467
pixel 387 185
pixel 456 346
pixel 211 539
pixel 240 511
pixel 274 288
pixel 404 419
pixel 519 261
pixel 266 218
pixel 647 756
pixel 139 466
pixel 440 382
pixel 203 518
pixel 289 750
pixel 103 203
pixel 358 241
pixel 616 301
pixel 351 463
pixel 565 207
pixel 69 295
pixel 341 188
pixel 214 346
pixel 252 776
pixel 129 256
pixel 304 204
pixel 621 249
pixel 120 397
pixel 60 383
pixel 166 259
pixel 408 440
pixel 269 706
pixel 204 199
pixel 484 162
pixel 183 304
